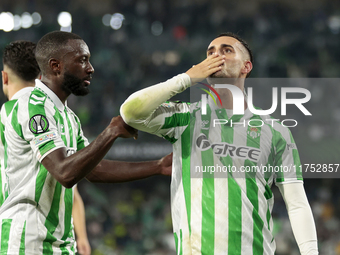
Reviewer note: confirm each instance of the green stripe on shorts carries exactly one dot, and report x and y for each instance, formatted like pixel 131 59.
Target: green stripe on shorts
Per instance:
pixel 22 241
pixel 5 231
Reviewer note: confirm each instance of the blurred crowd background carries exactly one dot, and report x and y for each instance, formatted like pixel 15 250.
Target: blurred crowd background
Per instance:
pixel 137 43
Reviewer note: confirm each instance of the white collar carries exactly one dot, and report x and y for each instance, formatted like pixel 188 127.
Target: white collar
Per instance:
pixel 21 92
pixel 55 99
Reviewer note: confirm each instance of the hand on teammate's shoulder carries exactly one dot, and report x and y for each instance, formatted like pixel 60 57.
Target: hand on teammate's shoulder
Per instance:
pixel 122 129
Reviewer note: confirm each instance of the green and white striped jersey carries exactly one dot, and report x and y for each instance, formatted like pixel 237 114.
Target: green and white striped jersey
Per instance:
pixel 219 206
pixel 5 111
pixel 36 216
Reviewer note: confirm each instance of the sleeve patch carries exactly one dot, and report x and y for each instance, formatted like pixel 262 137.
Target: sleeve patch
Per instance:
pixel 38 124
pixel 41 139
pixel 168 105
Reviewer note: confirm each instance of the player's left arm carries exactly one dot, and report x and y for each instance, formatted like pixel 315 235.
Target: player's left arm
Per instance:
pixel 109 171
pixel 290 184
pixel 78 214
pixel 118 171
pixel 300 216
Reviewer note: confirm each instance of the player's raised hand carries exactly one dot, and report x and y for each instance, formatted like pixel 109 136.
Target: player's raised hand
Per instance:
pixel 123 130
pixel 207 67
pixel 165 164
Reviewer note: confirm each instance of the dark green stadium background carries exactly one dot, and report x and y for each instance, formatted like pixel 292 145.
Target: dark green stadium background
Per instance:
pixel 159 39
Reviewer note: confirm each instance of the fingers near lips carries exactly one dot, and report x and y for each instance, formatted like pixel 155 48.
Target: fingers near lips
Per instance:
pixel 215 64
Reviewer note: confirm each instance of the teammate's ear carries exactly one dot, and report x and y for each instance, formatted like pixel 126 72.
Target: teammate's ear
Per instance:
pixel 54 65
pixel 248 66
pixel 4 78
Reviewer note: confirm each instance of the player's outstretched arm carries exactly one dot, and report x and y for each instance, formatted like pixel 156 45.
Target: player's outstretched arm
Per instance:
pixel 70 170
pixel 141 105
pixel 300 216
pixel 109 171
pixel 78 214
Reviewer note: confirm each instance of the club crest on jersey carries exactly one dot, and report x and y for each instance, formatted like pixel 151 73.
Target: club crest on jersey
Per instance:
pixel 253 132
pixel 38 124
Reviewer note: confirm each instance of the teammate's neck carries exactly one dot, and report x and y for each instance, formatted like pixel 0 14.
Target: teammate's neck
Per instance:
pixel 14 88
pixel 227 97
pixel 15 84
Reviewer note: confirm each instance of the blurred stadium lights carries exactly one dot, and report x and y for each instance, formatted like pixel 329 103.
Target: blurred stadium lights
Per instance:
pixel 36 18
pixel 66 29
pixel 6 21
pixel 17 22
pixel 106 19
pixel 172 58
pixel 156 28
pixel 116 21
pixel 26 20
pixel 9 22
pixel 334 24
pixel 65 21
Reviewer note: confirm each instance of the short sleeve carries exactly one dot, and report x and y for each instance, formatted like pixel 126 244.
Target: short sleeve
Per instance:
pixel 40 127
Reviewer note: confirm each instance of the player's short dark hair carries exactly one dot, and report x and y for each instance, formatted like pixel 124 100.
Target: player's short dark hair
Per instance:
pixel 243 42
pixel 50 45
pixel 19 57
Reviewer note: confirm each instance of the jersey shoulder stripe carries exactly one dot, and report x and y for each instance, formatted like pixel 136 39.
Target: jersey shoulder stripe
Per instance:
pixel 15 123
pixel 36 103
pixel 9 106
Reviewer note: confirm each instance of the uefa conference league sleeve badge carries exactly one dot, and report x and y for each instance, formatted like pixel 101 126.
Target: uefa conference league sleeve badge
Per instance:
pixel 38 124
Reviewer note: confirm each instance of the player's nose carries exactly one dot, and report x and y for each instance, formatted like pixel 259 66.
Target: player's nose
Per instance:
pixel 90 68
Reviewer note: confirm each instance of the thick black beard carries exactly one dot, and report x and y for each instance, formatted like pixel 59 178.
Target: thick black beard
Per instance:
pixel 74 85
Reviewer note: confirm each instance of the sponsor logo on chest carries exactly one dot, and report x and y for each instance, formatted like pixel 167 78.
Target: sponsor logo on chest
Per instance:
pixel 223 149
